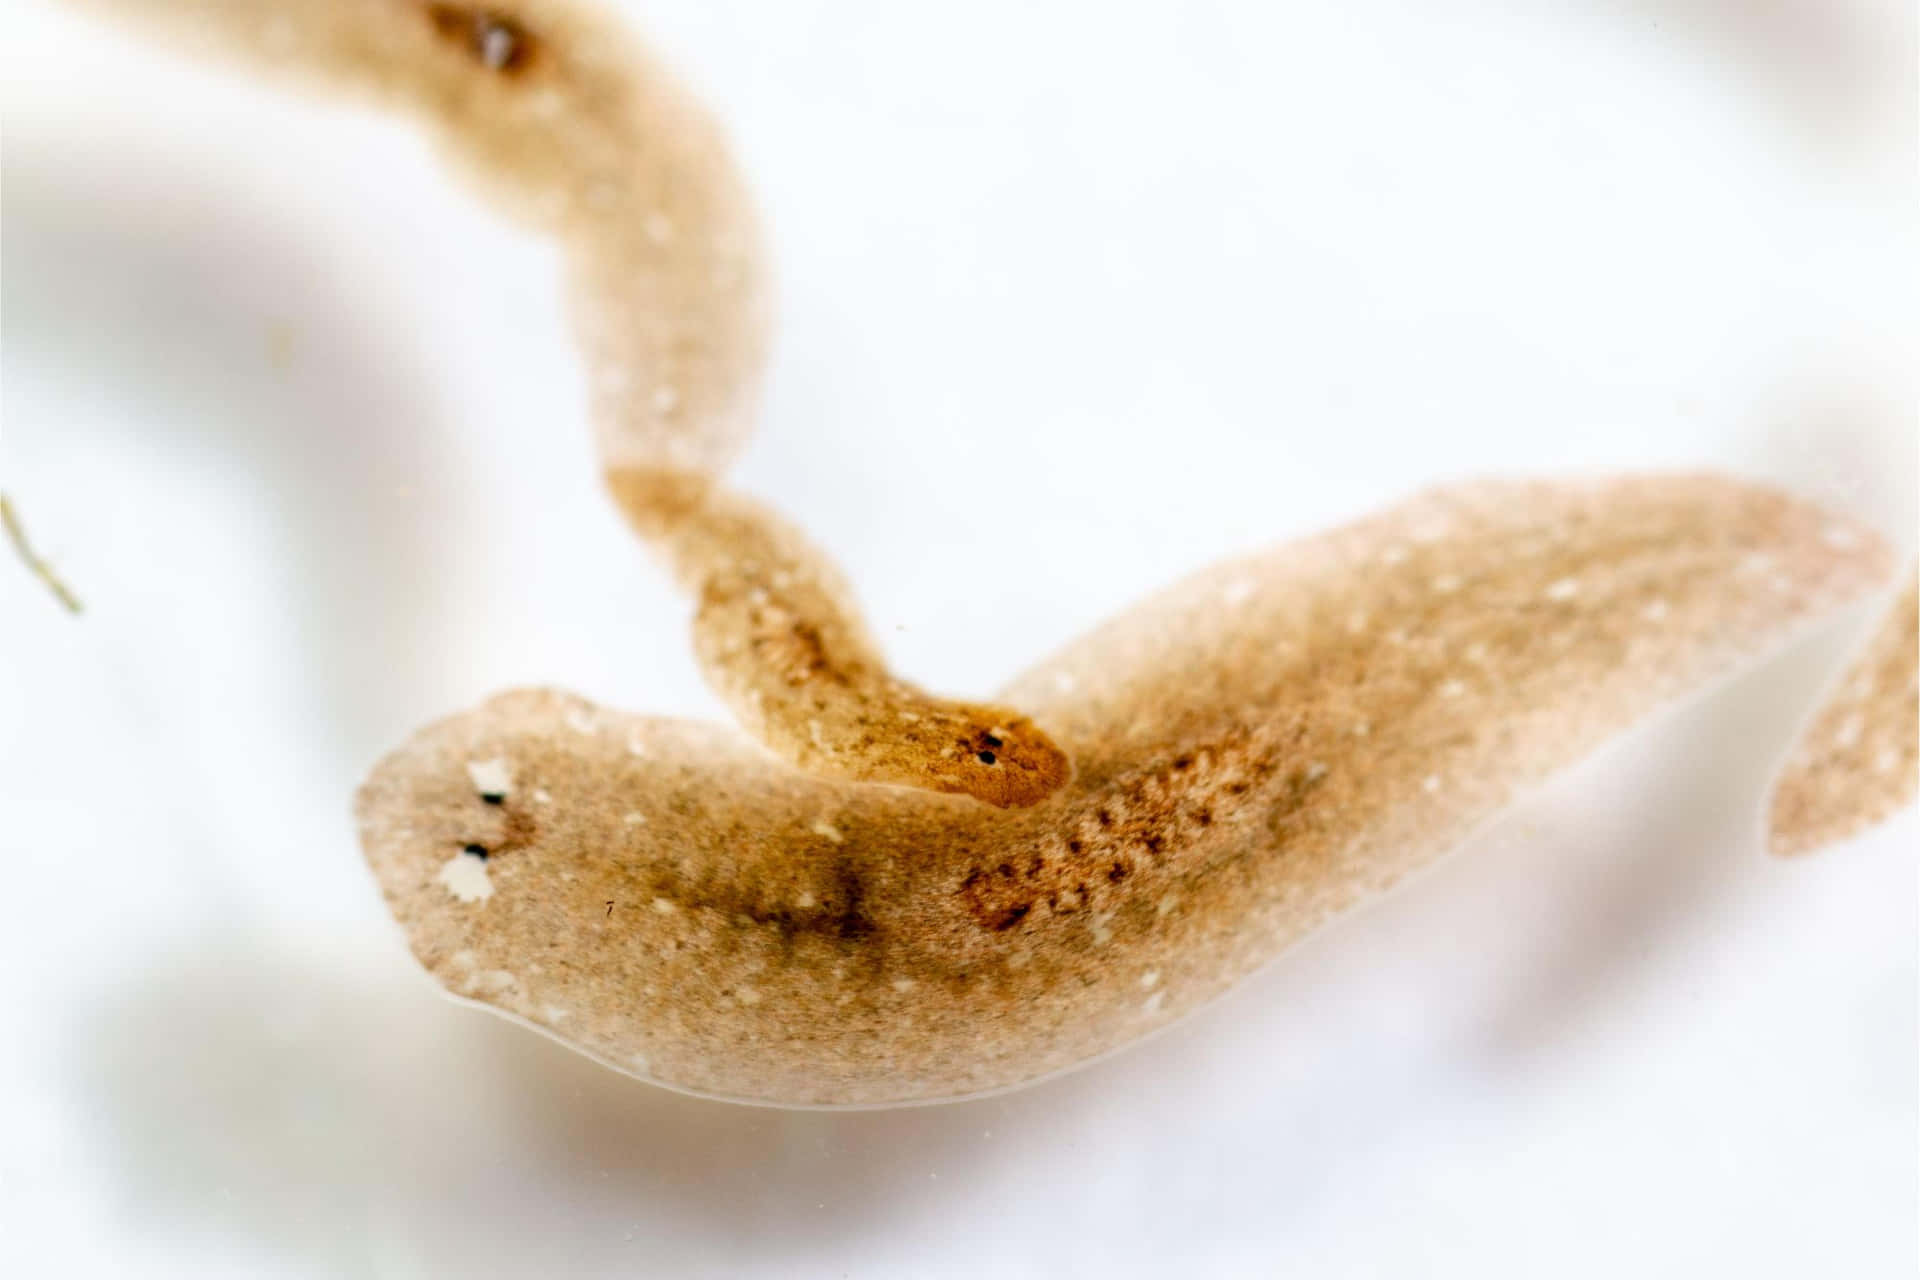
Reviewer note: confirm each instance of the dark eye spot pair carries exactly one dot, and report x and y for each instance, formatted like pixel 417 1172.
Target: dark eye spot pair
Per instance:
pixel 987 757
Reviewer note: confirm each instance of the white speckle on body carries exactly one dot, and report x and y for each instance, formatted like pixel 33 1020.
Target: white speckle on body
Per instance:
pixel 659 227
pixel 1564 589
pixel 635 819
pixel 826 830
pixel 1453 688
pixel 1316 771
pixel 904 985
pixel 542 796
pixel 665 399
pixel 1064 682
pixel 1849 731
pixel 493 982
pixel 664 906
pixel 747 995
pixel 1393 555
pixel 635 747
pixel 1447 583
pixel 1656 610
pixel 491 777
pixel 1432 784
pixel 1153 1002
pixel 1237 593
pixel 1150 979
pixel 465 877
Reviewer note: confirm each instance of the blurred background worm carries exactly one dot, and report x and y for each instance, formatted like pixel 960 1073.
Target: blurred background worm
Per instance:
pixel 565 124
pixel 1858 761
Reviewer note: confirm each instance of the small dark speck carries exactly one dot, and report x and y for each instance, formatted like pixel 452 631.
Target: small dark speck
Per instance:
pixel 493 797
pixel 477 850
pixel 987 757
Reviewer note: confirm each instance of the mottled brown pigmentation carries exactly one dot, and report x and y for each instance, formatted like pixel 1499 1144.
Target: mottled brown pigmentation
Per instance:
pixel 781 640
pixel 1224 766
pixel 1859 760
pixel 570 127
pixel 1257 748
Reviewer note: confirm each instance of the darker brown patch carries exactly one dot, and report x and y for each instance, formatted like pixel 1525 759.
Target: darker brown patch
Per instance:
pixel 496 40
pixel 1010 917
pixel 841 914
pixel 518 830
pixel 796 651
pixel 1150 828
pixel 849 919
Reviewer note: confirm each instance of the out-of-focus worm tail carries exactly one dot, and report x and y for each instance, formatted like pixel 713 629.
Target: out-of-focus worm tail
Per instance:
pixel 1858 761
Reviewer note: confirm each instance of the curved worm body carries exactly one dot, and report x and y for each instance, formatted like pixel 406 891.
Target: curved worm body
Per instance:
pixel 1257 749
pixel 1231 763
pixel 569 127
pixel 1858 761
pixel 780 640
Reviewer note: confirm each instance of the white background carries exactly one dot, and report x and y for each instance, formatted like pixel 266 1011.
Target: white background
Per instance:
pixel 1073 300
